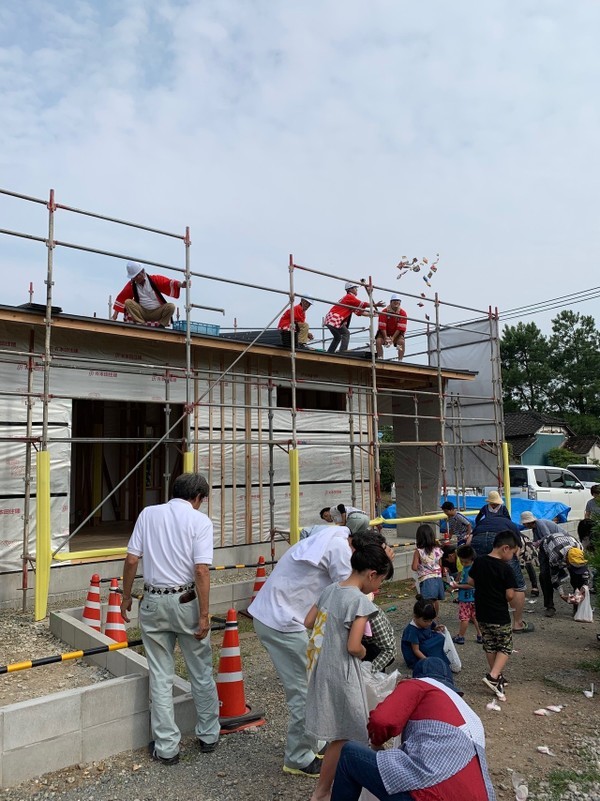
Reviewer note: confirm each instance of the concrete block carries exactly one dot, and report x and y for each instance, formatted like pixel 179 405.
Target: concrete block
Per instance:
pixel 114 736
pixel 136 663
pixel 116 698
pixel 242 590
pixel 220 594
pixel 41 719
pixel 117 663
pixel 180 686
pixel 185 713
pixel 85 637
pixel 36 759
pixel 67 629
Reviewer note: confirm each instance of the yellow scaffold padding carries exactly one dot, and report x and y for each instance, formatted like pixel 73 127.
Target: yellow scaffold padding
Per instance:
pixel 505 460
pixel 43 551
pixel 188 462
pixel 294 496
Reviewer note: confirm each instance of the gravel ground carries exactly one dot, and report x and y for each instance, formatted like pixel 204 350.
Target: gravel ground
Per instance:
pixel 247 765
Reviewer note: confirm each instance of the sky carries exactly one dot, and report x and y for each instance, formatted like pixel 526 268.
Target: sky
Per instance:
pixel 348 134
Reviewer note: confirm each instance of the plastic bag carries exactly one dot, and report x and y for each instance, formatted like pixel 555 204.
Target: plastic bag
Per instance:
pixel 585 613
pixel 451 653
pixel 377 685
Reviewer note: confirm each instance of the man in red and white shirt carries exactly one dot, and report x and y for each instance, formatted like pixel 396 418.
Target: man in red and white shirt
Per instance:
pixel 442 754
pixel 391 328
pixel 301 326
pixel 141 299
pixel 339 316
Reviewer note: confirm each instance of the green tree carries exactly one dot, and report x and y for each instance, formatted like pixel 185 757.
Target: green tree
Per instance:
pixel 561 457
pixel 575 360
pixel 526 372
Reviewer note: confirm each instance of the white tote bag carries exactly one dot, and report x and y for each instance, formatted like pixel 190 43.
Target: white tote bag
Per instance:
pixel 452 653
pixel 584 613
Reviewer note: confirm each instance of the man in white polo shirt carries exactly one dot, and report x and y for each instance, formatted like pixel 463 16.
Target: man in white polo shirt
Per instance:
pixel 279 609
pixel 175 540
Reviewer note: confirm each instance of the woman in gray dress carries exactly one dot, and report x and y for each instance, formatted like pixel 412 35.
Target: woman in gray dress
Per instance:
pixel 336 710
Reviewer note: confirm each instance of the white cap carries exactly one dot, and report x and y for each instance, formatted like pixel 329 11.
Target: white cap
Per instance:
pixel 134 268
pixel 394 297
pixel 528 517
pixel 350 285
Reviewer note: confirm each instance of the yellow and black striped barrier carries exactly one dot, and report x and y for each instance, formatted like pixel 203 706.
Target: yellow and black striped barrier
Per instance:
pixel 100 649
pixel 49 660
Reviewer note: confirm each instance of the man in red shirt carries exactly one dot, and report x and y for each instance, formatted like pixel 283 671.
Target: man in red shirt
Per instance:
pixel 141 299
pixel 339 316
pixel 302 328
pixel 442 755
pixel 391 328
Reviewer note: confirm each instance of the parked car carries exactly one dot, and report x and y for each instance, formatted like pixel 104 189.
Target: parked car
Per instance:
pixel 588 474
pixel 546 483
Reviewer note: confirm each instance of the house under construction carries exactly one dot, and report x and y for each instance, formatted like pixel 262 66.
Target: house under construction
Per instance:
pixel 120 410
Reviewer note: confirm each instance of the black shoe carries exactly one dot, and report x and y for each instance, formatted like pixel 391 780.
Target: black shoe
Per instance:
pixel 312 769
pixel 550 612
pixel 207 748
pixel 165 760
pixel 496 685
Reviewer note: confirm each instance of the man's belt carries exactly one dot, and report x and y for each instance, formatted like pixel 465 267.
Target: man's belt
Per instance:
pixel 167 590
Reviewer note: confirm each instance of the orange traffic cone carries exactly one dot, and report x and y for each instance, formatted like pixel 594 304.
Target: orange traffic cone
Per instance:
pixel 115 625
pixel 91 610
pixel 234 712
pixel 261 577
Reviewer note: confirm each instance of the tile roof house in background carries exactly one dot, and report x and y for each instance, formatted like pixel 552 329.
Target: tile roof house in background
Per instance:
pixel 531 435
pixel 586 445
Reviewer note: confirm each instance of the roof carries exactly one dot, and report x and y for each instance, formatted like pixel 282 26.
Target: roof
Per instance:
pixel 389 373
pixel 582 443
pixel 526 424
pixel 520 445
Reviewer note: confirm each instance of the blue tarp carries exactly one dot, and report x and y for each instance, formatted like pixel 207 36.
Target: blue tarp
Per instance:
pixel 541 509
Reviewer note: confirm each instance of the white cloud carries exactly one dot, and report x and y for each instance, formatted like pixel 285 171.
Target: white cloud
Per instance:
pixel 349 134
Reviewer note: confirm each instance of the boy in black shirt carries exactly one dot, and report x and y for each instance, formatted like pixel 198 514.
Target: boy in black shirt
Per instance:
pixel 495 583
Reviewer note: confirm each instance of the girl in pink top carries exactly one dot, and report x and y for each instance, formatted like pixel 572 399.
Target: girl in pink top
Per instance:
pixel 427 564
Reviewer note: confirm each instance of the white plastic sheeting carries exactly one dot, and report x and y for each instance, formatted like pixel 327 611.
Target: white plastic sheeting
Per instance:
pixel 470 406
pixel 13 418
pixel 240 510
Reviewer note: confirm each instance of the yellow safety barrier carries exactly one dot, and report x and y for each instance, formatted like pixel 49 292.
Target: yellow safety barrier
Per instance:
pixel 378 521
pixel 294 496
pixel 43 550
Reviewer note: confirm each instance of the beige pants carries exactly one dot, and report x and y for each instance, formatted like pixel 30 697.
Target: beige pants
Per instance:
pixel 303 329
pixel 139 314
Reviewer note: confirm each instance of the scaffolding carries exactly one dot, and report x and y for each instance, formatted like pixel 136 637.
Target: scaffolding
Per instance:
pixel 229 405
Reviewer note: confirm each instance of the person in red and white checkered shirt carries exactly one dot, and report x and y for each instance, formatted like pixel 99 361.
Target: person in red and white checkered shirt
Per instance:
pixel 339 316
